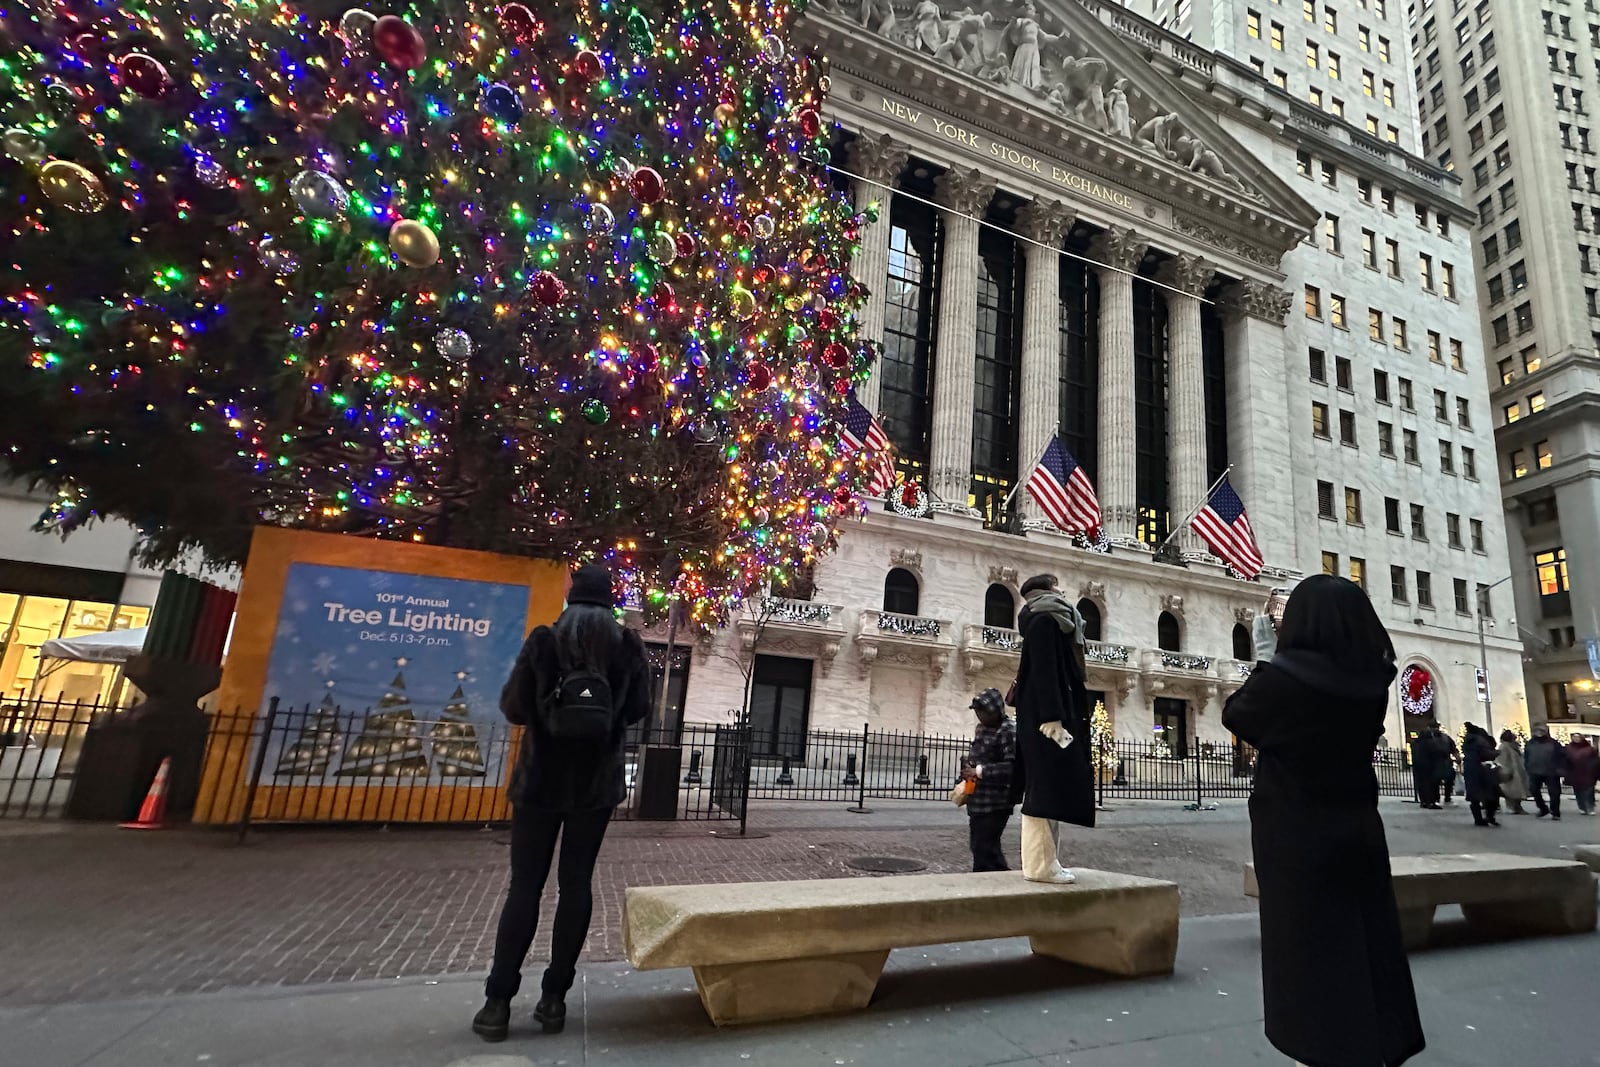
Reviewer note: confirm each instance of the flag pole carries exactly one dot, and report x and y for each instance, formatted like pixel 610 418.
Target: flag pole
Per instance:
pixel 1024 481
pixel 1196 510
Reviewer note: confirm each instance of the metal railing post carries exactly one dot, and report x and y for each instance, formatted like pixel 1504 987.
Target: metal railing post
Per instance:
pixel 861 780
pixel 255 771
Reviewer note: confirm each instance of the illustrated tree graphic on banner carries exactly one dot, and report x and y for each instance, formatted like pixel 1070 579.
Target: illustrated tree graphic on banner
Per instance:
pixel 457 752
pixel 390 742
pixel 318 742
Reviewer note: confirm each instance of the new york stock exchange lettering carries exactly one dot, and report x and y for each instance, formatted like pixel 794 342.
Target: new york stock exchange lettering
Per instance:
pixel 1008 155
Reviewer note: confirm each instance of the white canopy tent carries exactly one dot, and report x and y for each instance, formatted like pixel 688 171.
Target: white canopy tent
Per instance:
pixel 113 646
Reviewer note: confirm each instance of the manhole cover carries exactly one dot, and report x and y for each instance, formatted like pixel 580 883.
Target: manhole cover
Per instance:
pixel 885 864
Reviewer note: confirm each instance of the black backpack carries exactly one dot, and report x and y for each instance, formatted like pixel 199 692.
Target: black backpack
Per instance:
pixel 579 706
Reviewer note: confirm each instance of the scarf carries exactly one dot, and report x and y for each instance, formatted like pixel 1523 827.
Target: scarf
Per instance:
pixel 1059 608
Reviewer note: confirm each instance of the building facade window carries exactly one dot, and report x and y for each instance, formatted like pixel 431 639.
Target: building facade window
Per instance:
pixel 910 331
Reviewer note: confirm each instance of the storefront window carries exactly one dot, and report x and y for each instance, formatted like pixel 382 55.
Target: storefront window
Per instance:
pixel 26 622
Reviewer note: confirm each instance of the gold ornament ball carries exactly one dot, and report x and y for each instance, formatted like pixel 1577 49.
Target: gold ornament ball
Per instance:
pixel 73 187
pixel 414 243
pixel 725 113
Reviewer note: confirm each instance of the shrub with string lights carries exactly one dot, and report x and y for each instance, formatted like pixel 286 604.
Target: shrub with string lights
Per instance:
pixel 562 279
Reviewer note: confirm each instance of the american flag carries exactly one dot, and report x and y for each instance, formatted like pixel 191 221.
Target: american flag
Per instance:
pixel 862 432
pixel 1225 527
pixel 1063 491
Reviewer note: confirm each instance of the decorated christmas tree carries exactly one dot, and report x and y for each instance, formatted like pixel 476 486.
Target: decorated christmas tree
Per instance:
pixel 457 753
pixel 390 742
pixel 561 279
pixel 316 745
pixel 1102 739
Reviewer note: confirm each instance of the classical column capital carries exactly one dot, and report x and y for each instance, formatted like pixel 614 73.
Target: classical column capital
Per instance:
pixel 1047 222
pixel 965 193
pixel 877 158
pixel 1258 300
pixel 1188 274
pixel 1120 249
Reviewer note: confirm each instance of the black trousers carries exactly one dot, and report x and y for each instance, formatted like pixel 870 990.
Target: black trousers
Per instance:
pixel 533 847
pixel 1538 783
pixel 1483 811
pixel 983 834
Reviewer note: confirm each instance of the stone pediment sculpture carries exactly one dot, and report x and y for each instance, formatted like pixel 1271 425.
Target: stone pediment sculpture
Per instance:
pixel 1048 57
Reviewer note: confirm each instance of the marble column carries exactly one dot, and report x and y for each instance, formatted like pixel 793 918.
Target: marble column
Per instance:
pixel 1119 251
pixel 1187 473
pixel 967 197
pixel 878 160
pixel 1259 419
pixel 1040 404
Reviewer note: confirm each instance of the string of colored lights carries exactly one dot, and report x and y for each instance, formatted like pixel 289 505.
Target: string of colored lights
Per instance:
pixel 556 279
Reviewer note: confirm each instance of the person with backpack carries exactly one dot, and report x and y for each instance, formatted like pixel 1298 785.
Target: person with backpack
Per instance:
pixel 576 687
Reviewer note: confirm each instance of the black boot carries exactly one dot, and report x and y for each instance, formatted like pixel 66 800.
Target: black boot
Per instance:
pixel 493 1021
pixel 551 1013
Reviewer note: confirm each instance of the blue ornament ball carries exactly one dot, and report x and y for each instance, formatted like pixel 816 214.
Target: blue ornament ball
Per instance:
pixel 502 102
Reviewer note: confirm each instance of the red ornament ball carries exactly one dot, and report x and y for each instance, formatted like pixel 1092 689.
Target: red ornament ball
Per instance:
pixel 810 121
pixel 547 289
pixel 520 23
pixel 647 185
pixel 827 319
pixel 144 75
pixel 398 43
pixel 646 359
pixel 588 65
pixel 844 386
pixel 764 274
pixel 742 230
pixel 836 355
pixel 684 243
pixel 759 375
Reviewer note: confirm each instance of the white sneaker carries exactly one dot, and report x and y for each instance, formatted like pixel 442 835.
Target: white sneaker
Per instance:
pixel 1059 876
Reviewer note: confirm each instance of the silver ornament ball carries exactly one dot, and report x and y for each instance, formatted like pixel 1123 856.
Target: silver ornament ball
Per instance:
pixel 764 226
pixel 599 220
pixel 452 343
pixel 225 26
pixel 319 195
pixel 275 257
pixel 355 26
pixel 209 172
pixel 24 146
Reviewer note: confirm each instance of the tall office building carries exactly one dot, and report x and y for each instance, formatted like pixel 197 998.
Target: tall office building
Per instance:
pixel 1346 57
pixel 1507 95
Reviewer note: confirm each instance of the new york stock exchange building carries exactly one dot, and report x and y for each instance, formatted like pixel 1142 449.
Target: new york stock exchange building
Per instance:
pixel 1083 233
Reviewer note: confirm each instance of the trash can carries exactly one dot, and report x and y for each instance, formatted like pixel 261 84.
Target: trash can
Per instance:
pixel 656 792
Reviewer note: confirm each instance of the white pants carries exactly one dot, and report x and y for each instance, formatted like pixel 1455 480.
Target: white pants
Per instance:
pixel 1040 840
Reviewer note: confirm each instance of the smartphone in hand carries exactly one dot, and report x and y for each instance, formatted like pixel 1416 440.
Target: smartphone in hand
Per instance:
pixel 1277 600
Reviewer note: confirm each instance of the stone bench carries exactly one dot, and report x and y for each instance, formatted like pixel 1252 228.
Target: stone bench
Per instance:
pixel 1499 894
pixel 1588 854
pixel 783 950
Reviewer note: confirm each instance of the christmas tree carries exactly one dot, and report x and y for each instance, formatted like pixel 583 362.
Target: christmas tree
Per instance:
pixel 457 752
pixel 563 280
pixel 390 742
pixel 316 744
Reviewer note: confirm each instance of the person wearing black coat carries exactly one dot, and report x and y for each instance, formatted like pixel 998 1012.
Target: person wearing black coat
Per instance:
pixel 1335 979
pixel 1478 753
pixel 561 787
pixel 1054 772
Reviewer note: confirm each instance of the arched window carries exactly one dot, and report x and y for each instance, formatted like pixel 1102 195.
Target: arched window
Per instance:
pixel 1244 649
pixel 1168 634
pixel 901 592
pixel 1000 607
pixel 1091 619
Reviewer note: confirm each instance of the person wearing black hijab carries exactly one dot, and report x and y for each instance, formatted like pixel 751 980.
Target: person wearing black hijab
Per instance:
pixel 1335 978
pixel 562 785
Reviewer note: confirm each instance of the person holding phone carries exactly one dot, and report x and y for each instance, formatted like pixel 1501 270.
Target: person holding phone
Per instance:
pixel 1336 982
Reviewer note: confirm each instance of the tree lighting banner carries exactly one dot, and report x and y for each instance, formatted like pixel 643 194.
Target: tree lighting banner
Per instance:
pixel 386 661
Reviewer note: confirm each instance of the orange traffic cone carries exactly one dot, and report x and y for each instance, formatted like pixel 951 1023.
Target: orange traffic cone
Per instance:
pixel 153 812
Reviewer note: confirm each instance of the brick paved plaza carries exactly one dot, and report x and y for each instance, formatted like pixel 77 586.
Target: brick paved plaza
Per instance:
pixel 96 913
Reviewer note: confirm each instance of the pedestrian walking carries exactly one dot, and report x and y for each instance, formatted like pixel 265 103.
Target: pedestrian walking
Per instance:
pixel 1430 759
pixel 1335 980
pixel 576 687
pixel 1546 761
pixel 1452 762
pixel 1482 785
pixel 1512 772
pixel 1053 758
pixel 1583 768
pixel 988 767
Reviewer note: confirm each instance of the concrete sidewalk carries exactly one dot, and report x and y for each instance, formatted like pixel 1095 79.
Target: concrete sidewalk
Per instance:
pixel 1483 1005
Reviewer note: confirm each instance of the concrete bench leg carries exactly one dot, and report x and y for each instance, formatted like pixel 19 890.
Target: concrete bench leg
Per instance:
pixel 737 993
pixel 1416 926
pixel 1131 952
pixel 1574 913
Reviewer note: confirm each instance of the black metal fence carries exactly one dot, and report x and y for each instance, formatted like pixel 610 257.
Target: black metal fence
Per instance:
pixel 329 765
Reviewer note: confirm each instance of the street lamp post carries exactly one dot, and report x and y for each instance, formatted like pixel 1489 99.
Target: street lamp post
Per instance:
pixel 1483 654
